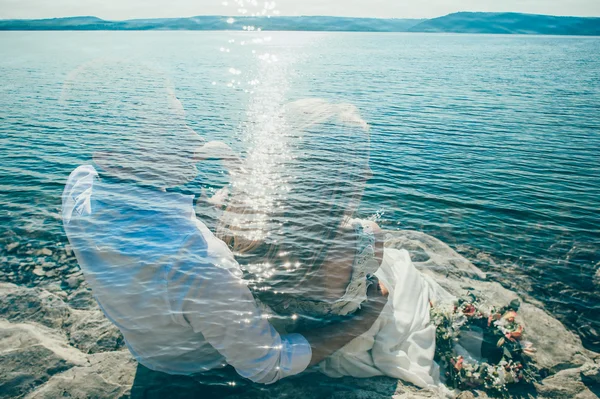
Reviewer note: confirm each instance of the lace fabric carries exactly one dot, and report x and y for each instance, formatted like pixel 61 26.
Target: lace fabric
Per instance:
pixel 364 264
pixel 318 311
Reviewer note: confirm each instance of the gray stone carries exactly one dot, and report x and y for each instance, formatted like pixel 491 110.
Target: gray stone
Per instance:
pixel 591 372
pixel 107 375
pixel 452 271
pixel 32 305
pixel 74 281
pixel 39 272
pixel 51 273
pixel 30 355
pixel 91 332
pixel 45 252
pixel 51 348
pixel 11 246
pixel 565 384
pixel 82 298
pixel 433 254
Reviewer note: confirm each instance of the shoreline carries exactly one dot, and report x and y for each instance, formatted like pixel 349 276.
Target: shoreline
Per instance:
pixel 56 340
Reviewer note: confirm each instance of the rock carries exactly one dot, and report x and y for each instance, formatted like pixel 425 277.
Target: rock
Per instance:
pixel 591 372
pixel 52 287
pixel 12 246
pixel 432 254
pixel 53 348
pixel 20 304
pixel 62 295
pixel 91 332
pixel 74 281
pixel 107 375
pixel 31 355
pixel 565 384
pixel 82 299
pixel 557 347
pixel 454 272
pixel 44 251
pixel 48 265
pixel 51 273
pixel 39 272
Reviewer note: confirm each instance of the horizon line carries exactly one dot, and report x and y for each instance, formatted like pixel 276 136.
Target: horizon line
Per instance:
pixel 294 16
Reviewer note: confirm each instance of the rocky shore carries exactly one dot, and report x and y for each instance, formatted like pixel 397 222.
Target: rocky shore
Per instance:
pixel 55 342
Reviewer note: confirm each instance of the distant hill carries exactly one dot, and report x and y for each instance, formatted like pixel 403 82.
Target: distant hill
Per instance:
pixel 510 23
pixel 89 23
pixel 308 23
pixel 462 22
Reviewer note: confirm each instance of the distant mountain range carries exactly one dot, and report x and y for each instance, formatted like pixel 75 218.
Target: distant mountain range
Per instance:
pixel 462 22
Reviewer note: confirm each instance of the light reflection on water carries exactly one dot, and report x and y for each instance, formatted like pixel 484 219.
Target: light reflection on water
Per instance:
pixel 489 143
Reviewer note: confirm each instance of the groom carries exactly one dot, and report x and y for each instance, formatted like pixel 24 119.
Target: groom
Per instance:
pixel 172 288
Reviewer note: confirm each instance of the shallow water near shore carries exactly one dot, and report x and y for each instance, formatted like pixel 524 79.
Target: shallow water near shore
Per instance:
pixel 489 143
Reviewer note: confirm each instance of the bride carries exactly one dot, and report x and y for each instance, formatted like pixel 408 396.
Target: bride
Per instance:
pixel 288 219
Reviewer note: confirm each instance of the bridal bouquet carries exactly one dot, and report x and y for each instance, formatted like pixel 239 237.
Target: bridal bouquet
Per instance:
pixel 506 351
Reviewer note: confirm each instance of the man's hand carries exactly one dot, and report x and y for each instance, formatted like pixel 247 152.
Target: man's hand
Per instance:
pixel 327 340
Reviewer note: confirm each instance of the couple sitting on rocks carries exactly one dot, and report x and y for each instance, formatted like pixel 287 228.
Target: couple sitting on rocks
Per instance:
pixel 284 279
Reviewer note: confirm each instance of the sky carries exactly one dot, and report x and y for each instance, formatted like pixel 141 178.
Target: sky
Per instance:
pixel 126 9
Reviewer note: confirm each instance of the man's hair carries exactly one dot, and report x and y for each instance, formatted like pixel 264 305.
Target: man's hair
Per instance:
pixel 128 111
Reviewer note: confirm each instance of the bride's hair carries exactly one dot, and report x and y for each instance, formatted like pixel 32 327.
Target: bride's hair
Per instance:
pixel 302 178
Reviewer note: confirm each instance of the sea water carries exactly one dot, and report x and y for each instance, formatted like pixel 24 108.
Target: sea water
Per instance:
pixel 489 142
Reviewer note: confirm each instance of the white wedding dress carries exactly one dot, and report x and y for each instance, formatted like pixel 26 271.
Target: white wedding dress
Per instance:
pixel 401 343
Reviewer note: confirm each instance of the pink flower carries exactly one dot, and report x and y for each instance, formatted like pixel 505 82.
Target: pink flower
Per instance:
pixel 518 333
pixel 469 310
pixel 510 316
pixel 458 363
pixel 493 317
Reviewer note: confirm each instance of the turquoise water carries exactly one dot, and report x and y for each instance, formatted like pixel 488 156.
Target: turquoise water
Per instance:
pixel 490 143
